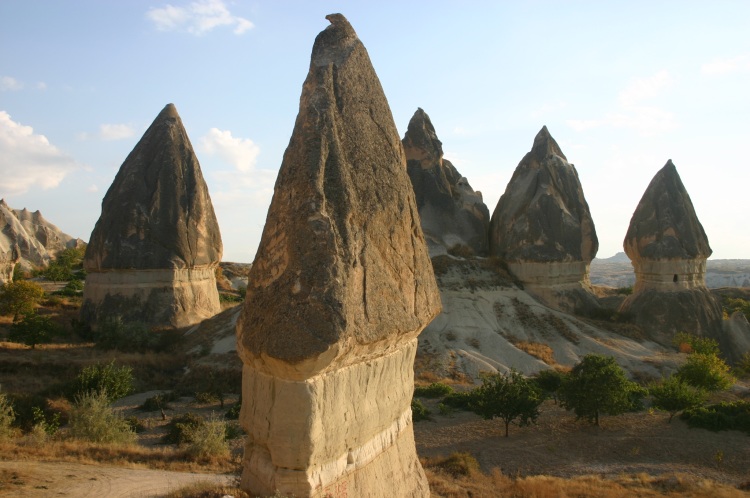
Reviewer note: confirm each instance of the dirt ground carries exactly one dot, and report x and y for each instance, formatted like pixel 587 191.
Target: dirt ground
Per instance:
pixel 559 446
pixel 44 479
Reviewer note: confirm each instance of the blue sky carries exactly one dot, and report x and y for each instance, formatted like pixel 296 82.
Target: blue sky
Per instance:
pixel 622 86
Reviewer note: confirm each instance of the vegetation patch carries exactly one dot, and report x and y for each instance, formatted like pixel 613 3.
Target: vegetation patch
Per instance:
pixel 726 416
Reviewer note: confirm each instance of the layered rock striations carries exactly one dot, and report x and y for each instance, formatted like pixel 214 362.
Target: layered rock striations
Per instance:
pixel 453 215
pixel 153 252
pixel 340 288
pixel 542 228
pixel 668 249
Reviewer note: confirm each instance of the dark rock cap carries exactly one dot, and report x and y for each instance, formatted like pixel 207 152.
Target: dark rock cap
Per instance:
pixel 451 212
pixel 543 215
pixel 157 213
pixel 342 259
pixel 664 225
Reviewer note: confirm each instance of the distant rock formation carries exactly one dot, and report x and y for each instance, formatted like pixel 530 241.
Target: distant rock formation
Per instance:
pixel 735 340
pixel 543 228
pixel 340 288
pixel 668 248
pixel 27 239
pixel 453 215
pixel 154 250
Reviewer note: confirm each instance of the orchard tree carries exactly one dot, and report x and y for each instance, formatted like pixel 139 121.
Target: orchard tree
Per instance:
pixel 549 381
pixel 674 395
pixel 33 329
pixel 706 371
pixel 598 385
pixel 508 397
pixel 20 298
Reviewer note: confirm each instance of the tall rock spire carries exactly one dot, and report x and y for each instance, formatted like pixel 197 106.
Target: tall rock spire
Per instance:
pixel 153 251
pixel 668 249
pixel 453 216
pixel 340 288
pixel 543 228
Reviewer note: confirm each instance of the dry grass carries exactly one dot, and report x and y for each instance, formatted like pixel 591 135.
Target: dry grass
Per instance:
pixel 207 490
pixel 537 350
pixel 444 483
pixel 130 456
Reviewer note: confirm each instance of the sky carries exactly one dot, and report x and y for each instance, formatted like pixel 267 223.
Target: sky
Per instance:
pixel 622 87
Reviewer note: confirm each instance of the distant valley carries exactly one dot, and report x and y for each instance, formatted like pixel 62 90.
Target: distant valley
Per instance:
pixel 617 271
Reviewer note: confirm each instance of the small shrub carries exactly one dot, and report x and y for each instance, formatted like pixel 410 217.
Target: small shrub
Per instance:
pixel 624 291
pixel 20 297
pixel 207 397
pixel 419 412
pixel 93 419
pixel 458 464
pixel 7 417
pixel 72 288
pixel 180 429
pixel 208 439
pixel 233 431
pixel 720 417
pixel 115 333
pixel 111 381
pixel 673 395
pixel 234 411
pixel 135 424
pixel 706 371
pixel 459 400
pixel 47 424
pixel 689 343
pixel 158 402
pixel 434 390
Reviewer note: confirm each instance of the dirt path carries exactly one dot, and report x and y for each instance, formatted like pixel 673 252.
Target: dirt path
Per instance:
pixel 45 479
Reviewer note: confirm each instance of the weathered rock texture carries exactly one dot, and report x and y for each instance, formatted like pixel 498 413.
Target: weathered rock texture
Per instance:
pixel 29 240
pixel 153 252
pixel 542 228
pixel 668 249
pixel 340 288
pixel 453 215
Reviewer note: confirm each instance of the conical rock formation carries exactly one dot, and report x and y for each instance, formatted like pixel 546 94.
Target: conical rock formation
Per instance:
pixel 453 216
pixel 668 249
pixel 543 228
pixel 153 251
pixel 340 288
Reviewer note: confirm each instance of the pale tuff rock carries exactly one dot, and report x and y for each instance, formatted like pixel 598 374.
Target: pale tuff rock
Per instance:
pixel 154 250
pixel 668 249
pixel 35 240
pixel 735 340
pixel 543 228
pixel 452 214
pixel 340 288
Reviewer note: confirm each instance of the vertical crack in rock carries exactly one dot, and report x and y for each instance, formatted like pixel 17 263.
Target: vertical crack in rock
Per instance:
pixel 543 228
pixel 153 252
pixel 341 286
pixel 668 249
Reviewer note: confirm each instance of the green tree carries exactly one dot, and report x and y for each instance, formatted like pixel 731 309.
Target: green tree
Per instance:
pixel 706 371
pixel 674 395
pixel 57 272
pixel 33 329
pixel 508 397
pixel 549 381
pixel 598 385
pixel 695 344
pixel 20 298
pixel 110 380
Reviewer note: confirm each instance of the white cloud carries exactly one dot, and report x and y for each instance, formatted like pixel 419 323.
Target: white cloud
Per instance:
pixel 727 65
pixel 8 83
pixel 645 88
pixel 631 113
pixel 115 131
pixel 92 188
pixel 41 85
pixel 242 153
pixel 28 160
pixel 197 18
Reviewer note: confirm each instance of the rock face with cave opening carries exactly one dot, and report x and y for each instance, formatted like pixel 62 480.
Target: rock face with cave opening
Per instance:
pixel 542 228
pixel 340 288
pixel 668 249
pixel 453 215
pixel 154 250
